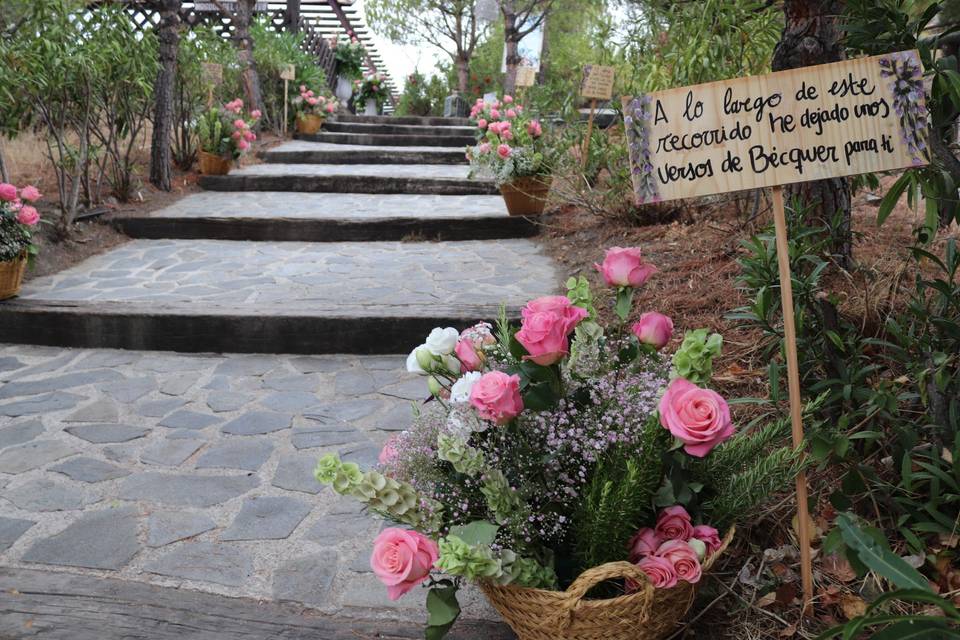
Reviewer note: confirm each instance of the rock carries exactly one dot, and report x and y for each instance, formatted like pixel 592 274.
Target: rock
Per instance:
pixel 258 422
pixel 345 410
pixel 179 384
pixel 233 454
pixel 298 382
pixel 164 527
pixel 44 494
pixel 32 455
pixel 130 389
pixel 289 401
pixel 89 470
pixel 170 452
pixel 102 410
pixel 206 562
pixel 354 383
pixel 255 365
pixel 365 454
pixel 220 401
pixel 295 473
pixel 20 433
pixel 184 490
pixel 46 403
pixel 306 580
pixel 9 363
pixel 157 408
pixel 186 419
pixel 334 528
pixel 104 539
pixel 324 436
pixel 267 518
pixel 104 433
pixel 398 418
pixel 55 383
pixel 11 529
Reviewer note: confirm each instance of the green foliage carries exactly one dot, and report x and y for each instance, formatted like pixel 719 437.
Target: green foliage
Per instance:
pixel 349 56
pixel 14 237
pixel 212 134
pixel 443 609
pixel 415 99
pixel 372 87
pixel 901 626
pixel 693 360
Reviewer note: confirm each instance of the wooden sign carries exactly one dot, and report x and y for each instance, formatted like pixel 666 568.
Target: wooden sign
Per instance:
pixel 597 82
pixel 212 73
pixel 526 76
pixel 288 72
pixel 831 120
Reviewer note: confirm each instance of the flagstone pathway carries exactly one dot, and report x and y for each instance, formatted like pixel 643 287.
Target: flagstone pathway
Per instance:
pixel 131 454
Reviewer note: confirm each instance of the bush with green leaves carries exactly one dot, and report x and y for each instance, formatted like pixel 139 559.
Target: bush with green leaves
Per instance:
pixel 415 101
pixel 349 54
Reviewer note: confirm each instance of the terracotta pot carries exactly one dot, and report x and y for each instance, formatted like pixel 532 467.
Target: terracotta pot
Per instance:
pixel 213 165
pixel 11 276
pixel 309 123
pixel 526 196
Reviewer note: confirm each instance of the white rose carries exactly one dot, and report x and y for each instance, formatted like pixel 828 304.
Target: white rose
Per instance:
pixel 460 392
pixel 441 342
pixel 451 363
pixel 413 365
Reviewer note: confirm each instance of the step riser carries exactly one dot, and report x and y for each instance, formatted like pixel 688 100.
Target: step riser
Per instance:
pixel 295 230
pixel 348 184
pixel 397 129
pixel 89 327
pixel 414 120
pixel 364 157
pixel 390 140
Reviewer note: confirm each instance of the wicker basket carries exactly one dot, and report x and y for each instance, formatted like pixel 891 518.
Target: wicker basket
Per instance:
pixel 526 196
pixel 214 165
pixel 309 123
pixel 647 614
pixel 11 276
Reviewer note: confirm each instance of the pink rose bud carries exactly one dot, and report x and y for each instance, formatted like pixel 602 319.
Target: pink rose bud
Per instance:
pixel 30 193
pixel 511 113
pixel 534 128
pixel 470 360
pixel 519 108
pixel 625 267
pixel 700 418
pixel 496 397
pixel 643 543
pixel 547 323
pixel 674 523
pixel 402 559
pixel 239 124
pixel 507 99
pixel 494 114
pixel 255 114
pixel 654 329
pixel 503 151
pixel 8 192
pixel 236 135
pixel 481 123
pixel 708 536
pixel 312 101
pixel 507 135
pixel 484 147
pixel 660 572
pixel 243 145
pixel 310 94
pixel 683 558
pixel 330 108
pixel 249 136
pixel 28 215
pixel 303 88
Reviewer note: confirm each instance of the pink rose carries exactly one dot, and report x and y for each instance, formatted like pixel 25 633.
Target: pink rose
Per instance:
pixel 243 145
pixel 673 523
pixel 683 558
pixel 534 128
pixel 519 108
pixel 402 559
pixel 654 329
pixel 30 193
pixel 507 135
pixel 484 147
pixel 330 108
pixel 507 99
pixel 482 123
pixel 239 124
pixel 495 114
pixel 503 151
pixel 310 94
pixel 556 304
pixel 236 135
pixel 625 268
pixel 643 543
pixel 467 353
pixel 28 215
pixel 708 536
pixel 249 136
pixel 547 323
pixel 496 397
pixel 312 101
pixel 8 192
pixel 511 113
pixel 389 452
pixel 303 88
pixel 700 418
pixel 660 572
pixel 255 114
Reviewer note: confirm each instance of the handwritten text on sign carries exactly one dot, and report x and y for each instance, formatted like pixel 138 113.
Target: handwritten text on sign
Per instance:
pixel 830 120
pixel 597 82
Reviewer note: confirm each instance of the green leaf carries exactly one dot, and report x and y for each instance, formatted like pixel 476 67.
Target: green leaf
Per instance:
pixel 878 558
pixel 444 610
pixel 624 303
pixel 477 532
pixel 891 197
pixel 911 629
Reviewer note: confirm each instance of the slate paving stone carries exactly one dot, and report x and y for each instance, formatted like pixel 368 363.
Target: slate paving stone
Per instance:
pixel 307 580
pixel 320 364
pixel 289 401
pixel 184 490
pixel 236 454
pixel 333 529
pixel 107 433
pixel 186 419
pixel 105 359
pixel 46 403
pixel 258 422
pixel 32 455
pixel 51 364
pixel 105 539
pixel 130 389
pixel 65 381
pixel 91 470
pixel 414 389
pixel 267 518
pixel 102 410
pixel 220 401
pixel 218 563
pixel 44 494
pixel 295 473
pixel 179 384
pixel 9 363
pixel 161 407
pixel 324 436
pixel 170 453
pixel 398 418
pixel 344 411
pixel 11 529
pixel 365 454
pixel 20 432
pixel 255 365
pixel 166 527
pixel 297 382
pixel 355 383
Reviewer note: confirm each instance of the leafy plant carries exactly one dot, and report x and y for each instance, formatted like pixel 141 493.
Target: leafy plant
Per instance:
pixel 349 54
pixel 372 87
pixel 415 101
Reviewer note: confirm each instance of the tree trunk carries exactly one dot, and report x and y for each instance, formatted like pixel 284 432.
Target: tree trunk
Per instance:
pixel 811 36
pixel 511 43
pixel 463 75
pixel 544 51
pixel 169 37
pixel 293 15
pixel 4 176
pixel 241 34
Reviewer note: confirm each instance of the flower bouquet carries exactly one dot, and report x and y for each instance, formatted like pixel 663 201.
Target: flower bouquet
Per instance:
pixel 224 135
pixel 510 145
pixel 574 471
pixel 349 55
pixel 17 217
pixel 371 93
pixel 312 110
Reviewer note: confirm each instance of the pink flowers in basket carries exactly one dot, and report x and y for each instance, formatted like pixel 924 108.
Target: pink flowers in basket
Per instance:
pixel 15 201
pixel 673 550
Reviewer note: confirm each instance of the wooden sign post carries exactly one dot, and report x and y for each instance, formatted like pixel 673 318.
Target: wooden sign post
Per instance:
pixel 597 83
pixel 288 73
pixel 212 74
pixel 826 121
pixel 526 77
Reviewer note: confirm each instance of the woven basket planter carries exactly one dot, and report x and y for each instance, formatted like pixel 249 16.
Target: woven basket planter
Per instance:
pixel 309 123
pixel 213 165
pixel 526 196
pixel 647 614
pixel 11 276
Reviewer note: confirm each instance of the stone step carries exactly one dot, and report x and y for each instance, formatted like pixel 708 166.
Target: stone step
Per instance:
pixel 352 178
pixel 418 120
pixel 305 152
pixel 335 126
pixel 315 217
pixel 289 297
pixel 389 139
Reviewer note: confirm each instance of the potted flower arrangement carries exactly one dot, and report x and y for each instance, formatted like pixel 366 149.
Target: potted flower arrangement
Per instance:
pixel 17 217
pixel 312 110
pixel 349 55
pixel 510 145
pixel 224 135
pixel 576 472
pixel 371 93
